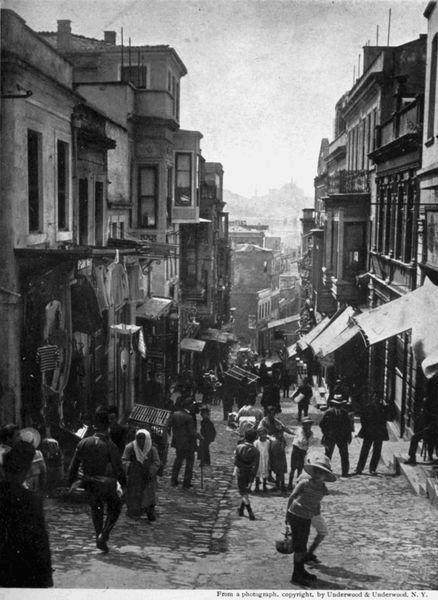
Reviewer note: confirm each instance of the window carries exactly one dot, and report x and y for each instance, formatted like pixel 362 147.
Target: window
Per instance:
pixel 169 192
pixel 148 197
pixel 183 183
pixel 135 74
pixel 432 88
pixel 373 128
pixel 174 96
pixel 114 229
pixel 34 179
pixel 83 212
pixel 177 102
pixel 98 213
pixel 62 185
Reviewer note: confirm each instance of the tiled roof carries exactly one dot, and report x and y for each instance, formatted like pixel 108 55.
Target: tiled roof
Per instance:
pixel 80 42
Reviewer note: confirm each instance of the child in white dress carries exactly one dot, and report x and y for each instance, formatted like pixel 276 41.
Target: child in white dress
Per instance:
pixel 263 444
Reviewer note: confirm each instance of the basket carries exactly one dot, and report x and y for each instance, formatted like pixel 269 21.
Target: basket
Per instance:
pixel 285 545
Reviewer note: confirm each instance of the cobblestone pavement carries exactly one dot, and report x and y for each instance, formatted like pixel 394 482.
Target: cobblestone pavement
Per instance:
pixel 382 536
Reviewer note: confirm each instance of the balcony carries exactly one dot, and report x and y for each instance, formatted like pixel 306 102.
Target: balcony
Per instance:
pixel 392 271
pixel 400 135
pixel 154 103
pixel 337 148
pixel 349 182
pixel 402 123
pixel 194 293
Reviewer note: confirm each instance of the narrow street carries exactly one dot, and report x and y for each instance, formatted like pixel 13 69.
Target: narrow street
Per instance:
pixel 382 536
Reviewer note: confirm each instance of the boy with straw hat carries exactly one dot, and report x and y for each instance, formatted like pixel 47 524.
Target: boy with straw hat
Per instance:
pixel 303 504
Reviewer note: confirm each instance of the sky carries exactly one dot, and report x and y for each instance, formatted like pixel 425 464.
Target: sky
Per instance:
pixel 263 75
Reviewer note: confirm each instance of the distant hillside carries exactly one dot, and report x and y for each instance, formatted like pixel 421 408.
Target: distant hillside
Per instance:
pixel 276 206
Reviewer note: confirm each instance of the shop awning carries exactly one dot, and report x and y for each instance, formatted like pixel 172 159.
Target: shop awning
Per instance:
pixel 284 321
pixel 154 308
pixel 215 335
pixel 240 374
pixel 416 310
pixel 192 345
pixel 394 317
pixel 292 351
pixel 340 331
pixel 124 328
pixel 305 341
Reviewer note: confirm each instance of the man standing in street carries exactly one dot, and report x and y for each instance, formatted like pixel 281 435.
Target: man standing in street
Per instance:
pixel 184 438
pixel 117 432
pixel 152 392
pixel 102 467
pixel 336 429
pixel 25 560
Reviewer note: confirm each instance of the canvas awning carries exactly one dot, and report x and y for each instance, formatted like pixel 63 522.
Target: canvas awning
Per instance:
pixel 394 317
pixel 154 308
pixel 416 310
pixel 192 345
pixel 305 341
pixel 292 351
pixel 284 321
pixel 215 335
pixel 240 374
pixel 339 331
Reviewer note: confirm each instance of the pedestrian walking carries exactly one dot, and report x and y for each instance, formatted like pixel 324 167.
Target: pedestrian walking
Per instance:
pixel 285 383
pixel 263 373
pixel 141 463
pixel 303 504
pixel 336 430
pixel 208 435
pixel 37 475
pixel 277 460
pixel 302 397
pixel 25 560
pixel 303 439
pixel 426 429
pixel 263 444
pixel 242 392
pixel 54 460
pixel 374 432
pixel 246 461
pixel 101 465
pixel 152 391
pixel 117 432
pixel 9 436
pixel 250 410
pixel 184 437
pixel 272 424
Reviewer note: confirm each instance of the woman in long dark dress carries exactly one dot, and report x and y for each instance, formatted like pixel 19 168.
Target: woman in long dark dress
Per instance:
pixel 141 462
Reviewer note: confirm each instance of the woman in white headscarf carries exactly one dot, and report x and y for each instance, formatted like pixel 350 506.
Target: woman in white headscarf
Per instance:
pixel 141 463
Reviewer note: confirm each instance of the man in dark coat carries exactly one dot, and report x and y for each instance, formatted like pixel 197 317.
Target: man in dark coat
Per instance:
pixel 336 429
pixel 152 392
pixel 184 438
pixel 25 559
pixel 426 429
pixel 117 432
pixel 102 467
pixel 374 432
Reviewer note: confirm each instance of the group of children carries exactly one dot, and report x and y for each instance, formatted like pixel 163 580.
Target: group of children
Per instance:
pixel 253 462
pixel 255 458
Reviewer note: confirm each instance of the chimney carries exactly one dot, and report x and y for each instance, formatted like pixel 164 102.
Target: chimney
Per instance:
pixel 110 37
pixel 64 33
